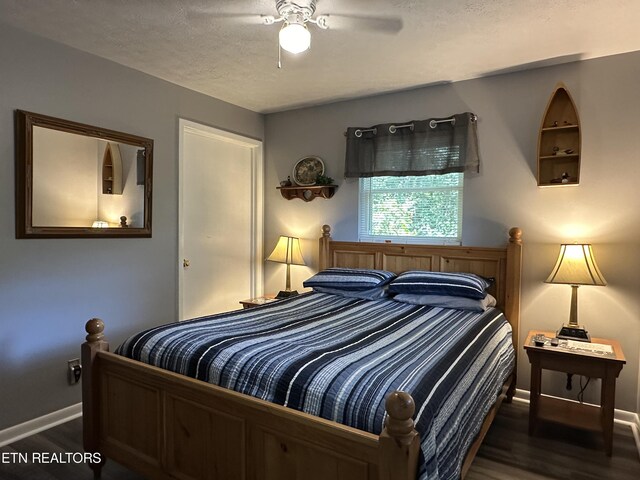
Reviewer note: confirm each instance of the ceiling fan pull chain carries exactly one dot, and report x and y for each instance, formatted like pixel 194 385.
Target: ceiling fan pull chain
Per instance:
pixel 279 56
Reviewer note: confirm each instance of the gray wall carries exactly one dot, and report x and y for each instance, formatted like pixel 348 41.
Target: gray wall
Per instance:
pixel 50 288
pixel 602 210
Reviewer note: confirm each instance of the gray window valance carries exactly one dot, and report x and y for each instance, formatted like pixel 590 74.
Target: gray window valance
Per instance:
pixel 421 147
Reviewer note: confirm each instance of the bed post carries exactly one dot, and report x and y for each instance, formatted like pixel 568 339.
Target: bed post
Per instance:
pixel 325 239
pixel 90 389
pixel 399 441
pixel 512 297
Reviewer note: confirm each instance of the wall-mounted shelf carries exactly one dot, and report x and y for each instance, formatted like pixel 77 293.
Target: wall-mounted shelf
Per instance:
pixel 559 142
pixel 308 193
pixel 112 170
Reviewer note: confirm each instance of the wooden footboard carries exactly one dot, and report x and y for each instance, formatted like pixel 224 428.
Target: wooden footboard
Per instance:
pixel 165 425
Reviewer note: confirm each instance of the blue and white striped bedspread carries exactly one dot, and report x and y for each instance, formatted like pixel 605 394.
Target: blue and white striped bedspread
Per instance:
pixel 338 358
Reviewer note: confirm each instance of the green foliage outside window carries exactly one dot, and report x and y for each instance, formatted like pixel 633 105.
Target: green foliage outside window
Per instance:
pixel 422 207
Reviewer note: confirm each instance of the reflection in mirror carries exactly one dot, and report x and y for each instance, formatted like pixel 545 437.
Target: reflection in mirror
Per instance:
pixel 111 169
pixel 81 181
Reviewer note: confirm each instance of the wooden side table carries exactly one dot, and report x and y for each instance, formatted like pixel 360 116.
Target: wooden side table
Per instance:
pixel 255 302
pixel 607 368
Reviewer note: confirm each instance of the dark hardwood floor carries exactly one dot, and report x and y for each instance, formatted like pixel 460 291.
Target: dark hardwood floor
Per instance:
pixel 507 453
pixel 555 452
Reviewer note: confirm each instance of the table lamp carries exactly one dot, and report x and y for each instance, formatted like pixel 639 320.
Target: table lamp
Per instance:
pixel 287 251
pixel 575 266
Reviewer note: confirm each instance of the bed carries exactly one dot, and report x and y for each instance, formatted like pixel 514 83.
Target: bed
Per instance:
pixel 167 425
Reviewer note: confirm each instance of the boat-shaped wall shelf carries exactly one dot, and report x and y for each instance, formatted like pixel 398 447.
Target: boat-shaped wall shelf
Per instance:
pixel 559 141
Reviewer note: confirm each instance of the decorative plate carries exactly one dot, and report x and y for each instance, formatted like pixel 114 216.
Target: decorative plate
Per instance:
pixel 307 169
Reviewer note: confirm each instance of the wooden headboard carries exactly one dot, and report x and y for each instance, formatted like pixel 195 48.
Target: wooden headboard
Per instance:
pixel 502 264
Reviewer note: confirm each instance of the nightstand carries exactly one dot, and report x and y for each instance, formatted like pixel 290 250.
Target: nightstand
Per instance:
pixel 593 365
pixel 256 302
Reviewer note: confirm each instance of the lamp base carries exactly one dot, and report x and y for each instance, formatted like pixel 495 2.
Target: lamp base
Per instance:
pixel 573 332
pixel 286 293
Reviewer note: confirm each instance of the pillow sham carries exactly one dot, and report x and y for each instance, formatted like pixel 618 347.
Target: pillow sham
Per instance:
pixel 352 279
pixel 440 283
pixel 375 293
pixel 447 301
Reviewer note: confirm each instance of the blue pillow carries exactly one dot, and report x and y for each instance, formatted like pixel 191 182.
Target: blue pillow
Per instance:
pixel 447 301
pixel 375 293
pixel 440 283
pixel 352 279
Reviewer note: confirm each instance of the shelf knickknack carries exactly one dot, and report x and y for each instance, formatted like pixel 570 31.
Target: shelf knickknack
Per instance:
pixel 559 142
pixel 308 193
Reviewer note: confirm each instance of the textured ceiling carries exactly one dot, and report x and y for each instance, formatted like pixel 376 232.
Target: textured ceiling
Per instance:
pixel 220 48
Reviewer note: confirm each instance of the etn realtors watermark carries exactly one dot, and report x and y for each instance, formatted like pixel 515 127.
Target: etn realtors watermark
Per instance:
pixel 50 457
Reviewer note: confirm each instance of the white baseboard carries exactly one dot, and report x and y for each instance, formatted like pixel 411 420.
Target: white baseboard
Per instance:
pixel 31 427
pixel 622 417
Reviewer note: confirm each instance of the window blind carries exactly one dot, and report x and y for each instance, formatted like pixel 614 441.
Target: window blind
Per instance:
pixel 425 209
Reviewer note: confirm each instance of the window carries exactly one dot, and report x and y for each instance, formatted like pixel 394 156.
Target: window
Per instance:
pixel 424 209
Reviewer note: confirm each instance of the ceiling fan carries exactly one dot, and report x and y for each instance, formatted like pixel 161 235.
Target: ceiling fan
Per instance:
pixel 295 15
pixel 294 36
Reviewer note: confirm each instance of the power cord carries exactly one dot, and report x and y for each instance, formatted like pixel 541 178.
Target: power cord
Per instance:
pixel 582 389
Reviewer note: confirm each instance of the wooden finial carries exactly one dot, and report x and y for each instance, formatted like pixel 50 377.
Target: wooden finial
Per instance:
pixel 326 231
pixel 515 235
pixel 400 407
pixel 95 330
pixel 399 441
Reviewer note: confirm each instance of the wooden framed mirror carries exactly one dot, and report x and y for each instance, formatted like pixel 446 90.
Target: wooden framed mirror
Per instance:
pixel 80 181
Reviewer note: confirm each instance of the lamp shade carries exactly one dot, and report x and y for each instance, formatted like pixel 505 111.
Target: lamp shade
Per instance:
pixel 287 251
pixel 576 265
pixel 295 37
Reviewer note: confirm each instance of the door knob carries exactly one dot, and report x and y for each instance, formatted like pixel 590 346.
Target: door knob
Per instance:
pixel 185 263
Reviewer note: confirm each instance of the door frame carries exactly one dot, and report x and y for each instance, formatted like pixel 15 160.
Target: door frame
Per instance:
pixel 257 201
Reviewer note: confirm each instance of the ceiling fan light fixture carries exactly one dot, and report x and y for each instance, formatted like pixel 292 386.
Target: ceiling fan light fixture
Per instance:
pixel 295 37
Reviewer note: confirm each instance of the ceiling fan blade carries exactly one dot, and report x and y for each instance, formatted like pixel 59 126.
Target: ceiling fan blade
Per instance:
pixel 387 25
pixel 236 18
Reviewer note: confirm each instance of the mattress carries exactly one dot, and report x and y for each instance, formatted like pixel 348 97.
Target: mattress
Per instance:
pixel 338 358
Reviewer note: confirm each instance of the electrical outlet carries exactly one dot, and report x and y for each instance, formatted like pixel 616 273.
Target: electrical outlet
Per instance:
pixel 74 370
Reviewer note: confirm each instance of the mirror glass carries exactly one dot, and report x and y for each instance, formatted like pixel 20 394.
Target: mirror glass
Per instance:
pixel 81 181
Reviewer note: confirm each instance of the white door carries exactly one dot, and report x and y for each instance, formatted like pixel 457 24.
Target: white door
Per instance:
pixel 220 217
